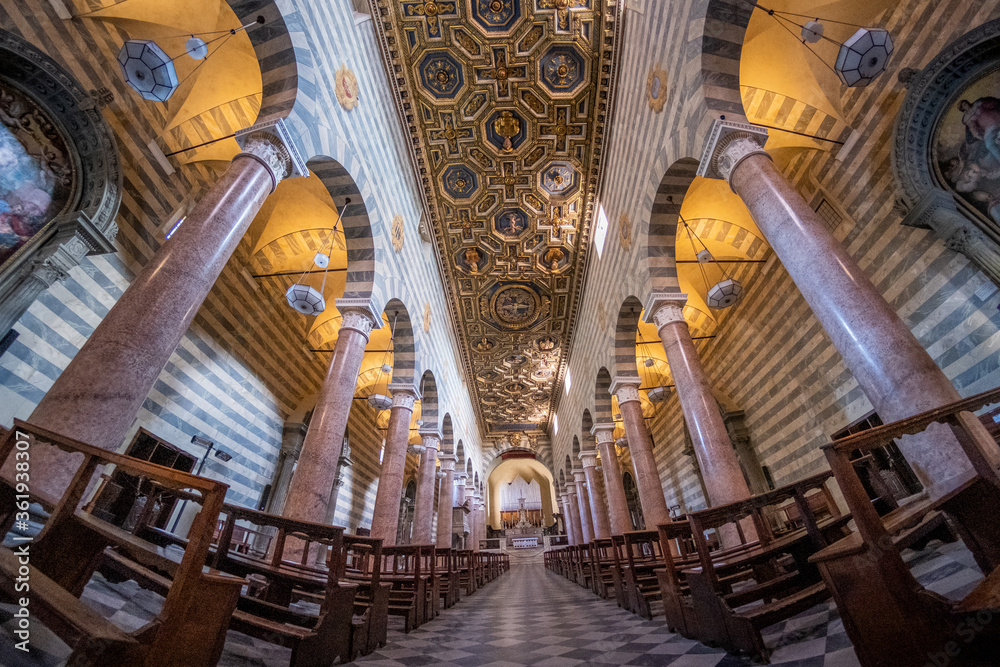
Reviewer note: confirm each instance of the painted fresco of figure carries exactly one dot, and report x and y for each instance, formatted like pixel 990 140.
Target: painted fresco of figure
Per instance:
pixel 973 170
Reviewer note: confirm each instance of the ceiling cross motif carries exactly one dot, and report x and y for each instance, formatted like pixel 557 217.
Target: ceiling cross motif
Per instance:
pixel 507 103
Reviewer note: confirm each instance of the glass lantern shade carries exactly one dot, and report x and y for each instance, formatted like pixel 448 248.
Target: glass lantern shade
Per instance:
pixel 864 56
pixel 725 293
pixel 305 299
pixel 148 70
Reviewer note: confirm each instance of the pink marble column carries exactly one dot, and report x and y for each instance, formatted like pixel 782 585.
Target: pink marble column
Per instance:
pixel 423 505
pixel 446 499
pixel 712 446
pixel 98 395
pixel 618 515
pixel 309 494
pixel 470 501
pixel 598 510
pixel 895 372
pixel 568 518
pixel 574 514
pixel 647 477
pixel 385 516
pixel 583 505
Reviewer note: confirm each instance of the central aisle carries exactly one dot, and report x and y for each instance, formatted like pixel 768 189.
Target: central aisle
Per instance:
pixel 530 616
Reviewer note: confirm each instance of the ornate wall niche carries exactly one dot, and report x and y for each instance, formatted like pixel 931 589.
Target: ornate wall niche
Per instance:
pixel 61 183
pixel 946 154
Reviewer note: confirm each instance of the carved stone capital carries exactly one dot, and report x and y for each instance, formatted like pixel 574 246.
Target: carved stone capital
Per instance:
pixel 357 320
pixel 292 436
pixel 663 308
pixel 626 388
pixel 588 459
pixel 272 144
pixel 360 308
pixel 430 440
pixel 603 432
pixel 579 476
pixel 447 462
pixel 728 145
pixel 402 398
pixel 460 478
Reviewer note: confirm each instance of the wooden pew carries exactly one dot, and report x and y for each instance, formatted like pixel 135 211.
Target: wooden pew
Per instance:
pixel 678 606
pixel 447 571
pixel 362 561
pixel 198 603
pixel 604 563
pixel 890 618
pixel 466 571
pixel 403 567
pixel 617 570
pixel 642 557
pixel 784 582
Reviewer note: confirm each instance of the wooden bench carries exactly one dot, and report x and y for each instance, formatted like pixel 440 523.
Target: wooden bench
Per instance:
pixel 447 570
pixel 643 556
pixel 776 579
pixel 198 603
pixel 466 571
pixel 890 618
pixel 403 568
pixel 603 562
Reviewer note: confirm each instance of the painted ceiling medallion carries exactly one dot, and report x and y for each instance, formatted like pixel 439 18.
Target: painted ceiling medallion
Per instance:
pixel 496 15
pixel 562 69
pixel 625 231
pixel 398 232
pixel 511 223
pixel 514 306
pixel 460 182
pixel 656 88
pixel 427 317
pixel 346 87
pixel 472 260
pixel 559 179
pixel 441 74
pixel 506 130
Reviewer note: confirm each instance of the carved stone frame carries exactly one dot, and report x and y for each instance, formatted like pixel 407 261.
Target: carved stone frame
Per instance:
pixel 926 202
pixel 87 224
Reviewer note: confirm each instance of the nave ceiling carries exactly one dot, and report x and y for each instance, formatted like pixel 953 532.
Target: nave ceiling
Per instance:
pixel 507 106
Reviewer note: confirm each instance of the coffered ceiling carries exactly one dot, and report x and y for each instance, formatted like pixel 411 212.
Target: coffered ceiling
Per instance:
pixel 507 105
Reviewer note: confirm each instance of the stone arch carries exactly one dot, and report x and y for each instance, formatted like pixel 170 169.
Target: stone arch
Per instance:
pixel 429 402
pixel 447 435
pixel 468 467
pixel 286 60
pixel 602 397
pixel 625 332
pixel 460 454
pixel 588 441
pixel 576 448
pixel 661 236
pixel 717 76
pixel 403 346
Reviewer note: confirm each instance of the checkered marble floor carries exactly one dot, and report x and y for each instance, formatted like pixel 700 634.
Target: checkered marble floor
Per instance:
pixel 529 616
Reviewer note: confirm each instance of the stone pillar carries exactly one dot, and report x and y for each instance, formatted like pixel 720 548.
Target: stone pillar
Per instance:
pixel 602 526
pixel 574 513
pixel 292 436
pixel 713 449
pixel 459 492
pixel 385 516
pixel 567 518
pixel 309 495
pixel 583 505
pixel 423 505
pixel 481 521
pixel 459 513
pixel 618 514
pixel 895 372
pixel 98 395
pixel 474 522
pixel 647 478
pixel 446 501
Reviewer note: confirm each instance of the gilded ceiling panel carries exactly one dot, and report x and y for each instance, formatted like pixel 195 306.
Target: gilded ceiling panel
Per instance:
pixel 506 102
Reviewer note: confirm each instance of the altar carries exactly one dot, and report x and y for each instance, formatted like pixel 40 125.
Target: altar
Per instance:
pixel 524 542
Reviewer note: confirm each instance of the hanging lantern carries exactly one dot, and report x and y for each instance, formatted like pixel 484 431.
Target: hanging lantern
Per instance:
pixel 380 401
pixel 622 442
pixel 864 56
pixel 321 260
pixel 658 394
pixel 196 48
pixel 705 256
pixel 724 293
pixel 305 299
pixel 812 32
pixel 148 69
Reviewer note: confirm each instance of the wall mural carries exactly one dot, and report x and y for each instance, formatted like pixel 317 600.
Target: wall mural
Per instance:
pixel 507 102
pixel 36 170
pixel 968 145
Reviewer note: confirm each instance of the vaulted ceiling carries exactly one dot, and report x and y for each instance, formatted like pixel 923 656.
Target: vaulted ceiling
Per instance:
pixel 507 105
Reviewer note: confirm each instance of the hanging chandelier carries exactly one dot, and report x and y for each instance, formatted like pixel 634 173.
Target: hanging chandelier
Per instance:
pixel 304 297
pixel 655 393
pixel 860 58
pixel 727 291
pixel 382 401
pixel 150 71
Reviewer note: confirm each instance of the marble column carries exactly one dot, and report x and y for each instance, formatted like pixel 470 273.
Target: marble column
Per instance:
pixel 647 478
pixel 423 505
pixel 292 436
pixel 474 522
pixel 574 513
pixel 598 510
pixel 895 372
pixel 98 395
pixel 309 495
pixel 481 520
pixel 718 460
pixel 385 516
pixel 583 505
pixel 618 515
pixel 446 499
pixel 567 518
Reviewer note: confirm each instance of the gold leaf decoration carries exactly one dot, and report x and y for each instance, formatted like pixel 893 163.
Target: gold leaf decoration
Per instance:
pixel 347 88
pixel 427 317
pixel 398 232
pixel 656 88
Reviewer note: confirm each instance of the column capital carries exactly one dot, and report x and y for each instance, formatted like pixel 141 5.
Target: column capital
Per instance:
pixel 469 484
pixel 360 315
pixel 729 144
pixel 588 458
pixel 403 396
pixel 460 478
pixel 662 308
pixel 603 432
pixel 430 439
pixel 579 475
pixel 447 462
pixel 625 387
pixel 271 144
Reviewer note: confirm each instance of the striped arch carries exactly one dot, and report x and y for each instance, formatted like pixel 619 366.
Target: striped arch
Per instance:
pixel 429 401
pixel 576 450
pixel 286 61
pixel 357 227
pixel 718 76
pixel 588 441
pixel 404 354
pixel 625 332
pixel 661 237
pixel 447 435
pixel 602 397
pixel 460 454
pixel 569 467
